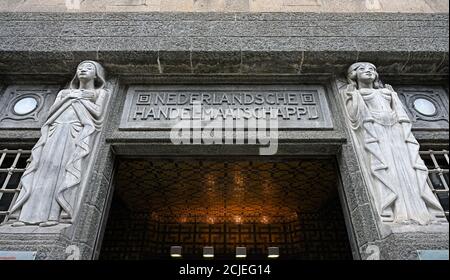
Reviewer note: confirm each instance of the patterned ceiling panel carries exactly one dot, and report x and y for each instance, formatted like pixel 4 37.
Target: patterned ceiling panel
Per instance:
pixel 236 190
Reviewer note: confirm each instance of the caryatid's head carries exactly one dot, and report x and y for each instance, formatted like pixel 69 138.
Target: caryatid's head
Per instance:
pixel 363 73
pixel 89 70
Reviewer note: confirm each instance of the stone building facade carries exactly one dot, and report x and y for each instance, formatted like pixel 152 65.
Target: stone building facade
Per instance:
pixel 133 193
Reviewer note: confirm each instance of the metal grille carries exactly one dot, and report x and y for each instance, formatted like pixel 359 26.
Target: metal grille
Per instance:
pixel 438 165
pixel 230 189
pixel 12 166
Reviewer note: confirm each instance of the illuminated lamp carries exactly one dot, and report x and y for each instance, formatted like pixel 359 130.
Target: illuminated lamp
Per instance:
pixel 274 252
pixel 241 252
pixel 208 252
pixel 175 251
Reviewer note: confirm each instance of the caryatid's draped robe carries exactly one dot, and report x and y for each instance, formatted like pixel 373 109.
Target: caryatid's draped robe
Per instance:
pixel 390 157
pixel 51 183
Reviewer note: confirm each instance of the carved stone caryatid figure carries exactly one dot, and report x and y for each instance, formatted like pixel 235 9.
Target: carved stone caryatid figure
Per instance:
pixel 388 151
pixel 51 183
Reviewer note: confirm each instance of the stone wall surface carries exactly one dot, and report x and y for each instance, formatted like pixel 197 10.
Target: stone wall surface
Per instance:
pixel 322 6
pixel 221 48
pixel 223 43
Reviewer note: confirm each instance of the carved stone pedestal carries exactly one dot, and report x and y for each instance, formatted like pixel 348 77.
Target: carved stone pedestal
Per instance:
pixel 405 245
pixel 49 243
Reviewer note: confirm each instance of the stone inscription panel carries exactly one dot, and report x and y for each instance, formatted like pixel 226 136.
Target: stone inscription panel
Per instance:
pixel 161 107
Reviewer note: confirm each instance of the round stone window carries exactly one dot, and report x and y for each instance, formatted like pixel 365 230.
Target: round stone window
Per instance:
pixel 425 107
pixel 25 106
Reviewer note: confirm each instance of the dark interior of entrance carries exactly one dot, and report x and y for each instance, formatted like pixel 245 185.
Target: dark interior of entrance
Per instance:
pixel 289 203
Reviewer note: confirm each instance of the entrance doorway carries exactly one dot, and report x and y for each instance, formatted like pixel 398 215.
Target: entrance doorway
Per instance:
pixel 288 203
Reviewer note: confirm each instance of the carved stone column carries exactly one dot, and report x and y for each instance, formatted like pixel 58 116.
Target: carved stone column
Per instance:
pixel 62 161
pixel 407 212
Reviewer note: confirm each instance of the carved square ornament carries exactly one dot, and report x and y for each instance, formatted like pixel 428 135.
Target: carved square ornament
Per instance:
pixel 25 106
pixel 427 107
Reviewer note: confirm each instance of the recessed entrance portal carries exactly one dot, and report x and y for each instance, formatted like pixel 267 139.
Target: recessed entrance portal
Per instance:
pixel 256 203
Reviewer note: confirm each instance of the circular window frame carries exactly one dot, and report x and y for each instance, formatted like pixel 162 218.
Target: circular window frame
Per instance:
pixel 22 98
pixel 33 115
pixel 433 102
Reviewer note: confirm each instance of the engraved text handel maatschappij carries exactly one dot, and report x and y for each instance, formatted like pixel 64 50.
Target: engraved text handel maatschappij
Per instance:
pixel 173 105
